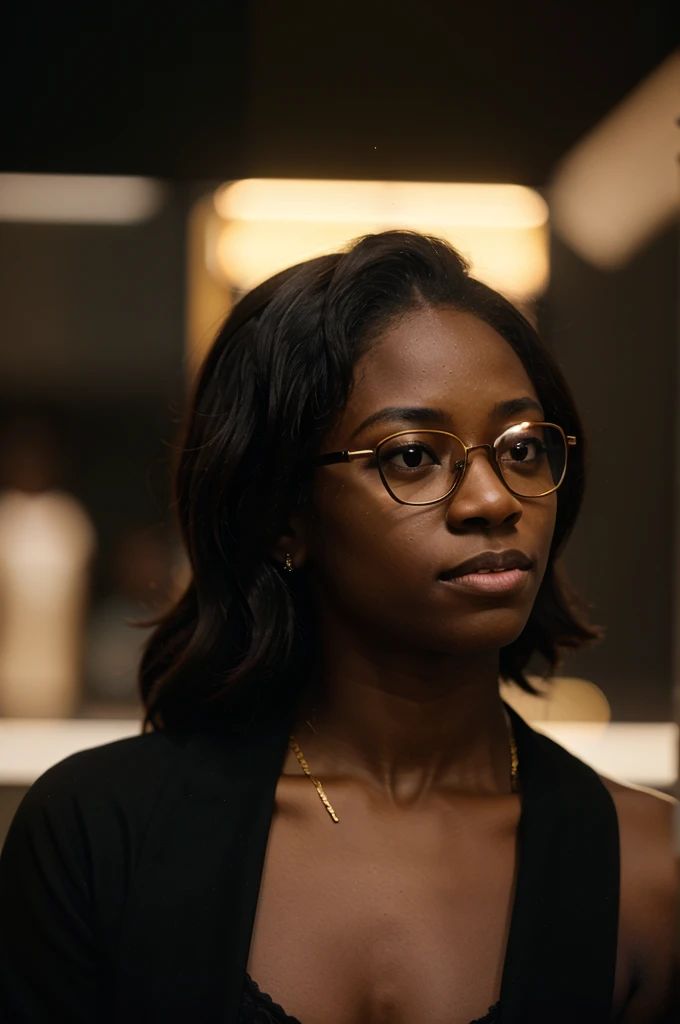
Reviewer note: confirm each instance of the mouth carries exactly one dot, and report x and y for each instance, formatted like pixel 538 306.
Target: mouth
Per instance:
pixel 491 572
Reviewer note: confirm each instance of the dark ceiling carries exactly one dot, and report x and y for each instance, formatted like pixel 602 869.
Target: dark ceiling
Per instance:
pixel 426 89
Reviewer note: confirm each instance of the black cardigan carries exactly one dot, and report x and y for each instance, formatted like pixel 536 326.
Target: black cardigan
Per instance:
pixel 130 875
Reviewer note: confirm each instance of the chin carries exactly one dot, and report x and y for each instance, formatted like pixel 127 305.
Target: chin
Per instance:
pixel 488 630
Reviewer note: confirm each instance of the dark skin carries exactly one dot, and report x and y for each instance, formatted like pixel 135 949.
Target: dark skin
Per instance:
pixel 400 911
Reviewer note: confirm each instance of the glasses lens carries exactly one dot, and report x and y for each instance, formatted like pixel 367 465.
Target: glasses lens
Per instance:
pixel 421 466
pixel 532 458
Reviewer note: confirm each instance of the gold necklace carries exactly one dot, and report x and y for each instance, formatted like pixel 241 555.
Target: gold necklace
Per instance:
pixel 292 742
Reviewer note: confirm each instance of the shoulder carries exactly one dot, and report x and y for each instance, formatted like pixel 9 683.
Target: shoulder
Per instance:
pixel 646 827
pixel 125 766
pixel 65 871
pixel 649 886
pixel 94 794
pixel 79 830
pixel 640 804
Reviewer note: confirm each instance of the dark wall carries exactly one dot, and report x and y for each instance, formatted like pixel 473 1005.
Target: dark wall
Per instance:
pixel 440 90
pixel 615 335
pixel 93 310
pixel 433 90
pixel 125 88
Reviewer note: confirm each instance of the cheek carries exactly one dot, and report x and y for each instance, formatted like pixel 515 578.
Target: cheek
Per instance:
pixel 349 524
pixel 360 540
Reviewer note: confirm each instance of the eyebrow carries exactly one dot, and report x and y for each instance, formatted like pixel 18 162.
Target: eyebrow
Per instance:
pixel 430 414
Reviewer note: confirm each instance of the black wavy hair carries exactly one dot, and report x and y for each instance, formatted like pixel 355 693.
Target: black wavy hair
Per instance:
pixel 277 375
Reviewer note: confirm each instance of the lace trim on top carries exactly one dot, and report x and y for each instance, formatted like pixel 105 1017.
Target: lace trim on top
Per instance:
pixel 258 1007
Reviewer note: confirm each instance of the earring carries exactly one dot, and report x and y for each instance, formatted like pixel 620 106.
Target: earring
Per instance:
pixel 289 562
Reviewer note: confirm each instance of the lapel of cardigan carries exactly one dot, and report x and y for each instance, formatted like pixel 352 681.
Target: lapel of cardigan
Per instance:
pixel 561 954
pixel 189 918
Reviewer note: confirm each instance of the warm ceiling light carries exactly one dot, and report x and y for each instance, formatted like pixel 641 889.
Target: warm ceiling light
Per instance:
pixel 619 185
pixel 265 225
pixel 78 198
pixel 394 202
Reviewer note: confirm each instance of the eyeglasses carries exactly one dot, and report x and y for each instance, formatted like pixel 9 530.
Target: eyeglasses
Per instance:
pixel 422 467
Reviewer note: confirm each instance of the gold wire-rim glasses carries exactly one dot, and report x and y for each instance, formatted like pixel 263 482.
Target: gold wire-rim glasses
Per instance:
pixel 329 458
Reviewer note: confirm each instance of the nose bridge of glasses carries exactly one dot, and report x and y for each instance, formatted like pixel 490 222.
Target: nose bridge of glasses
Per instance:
pixel 492 461
pixel 491 456
pixel 474 447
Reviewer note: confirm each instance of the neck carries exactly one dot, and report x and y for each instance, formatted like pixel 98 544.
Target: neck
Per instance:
pixel 407 726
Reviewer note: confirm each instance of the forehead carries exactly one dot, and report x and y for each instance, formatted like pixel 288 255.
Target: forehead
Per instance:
pixel 438 357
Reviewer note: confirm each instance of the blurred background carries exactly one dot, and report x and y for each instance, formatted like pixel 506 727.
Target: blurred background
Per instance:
pixel 155 167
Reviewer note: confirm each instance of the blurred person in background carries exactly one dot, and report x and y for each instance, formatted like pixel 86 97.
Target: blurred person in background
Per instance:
pixel 46 545
pixel 142 581
pixel 332 817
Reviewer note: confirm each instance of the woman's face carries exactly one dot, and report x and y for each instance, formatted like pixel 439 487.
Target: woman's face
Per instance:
pixel 377 564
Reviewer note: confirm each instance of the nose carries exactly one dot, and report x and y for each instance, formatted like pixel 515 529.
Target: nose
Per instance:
pixel 481 499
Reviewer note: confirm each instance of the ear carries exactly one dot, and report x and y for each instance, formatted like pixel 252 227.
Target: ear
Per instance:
pixel 290 541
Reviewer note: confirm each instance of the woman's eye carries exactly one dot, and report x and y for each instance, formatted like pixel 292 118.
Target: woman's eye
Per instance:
pixel 412 456
pixel 528 450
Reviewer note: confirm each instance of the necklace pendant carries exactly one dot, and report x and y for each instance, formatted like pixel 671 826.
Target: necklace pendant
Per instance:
pixel 292 742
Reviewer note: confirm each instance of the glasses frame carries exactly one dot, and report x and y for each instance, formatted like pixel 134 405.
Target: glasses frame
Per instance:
pixel 330 458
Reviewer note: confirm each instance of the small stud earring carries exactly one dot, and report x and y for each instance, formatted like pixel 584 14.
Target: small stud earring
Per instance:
pixel 289 562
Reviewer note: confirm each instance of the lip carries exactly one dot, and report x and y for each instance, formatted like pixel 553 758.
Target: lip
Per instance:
pixel 490 584
pixel 490 572
pixel 491 561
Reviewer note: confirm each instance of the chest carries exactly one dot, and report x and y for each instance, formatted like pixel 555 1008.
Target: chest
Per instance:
pixel 389 915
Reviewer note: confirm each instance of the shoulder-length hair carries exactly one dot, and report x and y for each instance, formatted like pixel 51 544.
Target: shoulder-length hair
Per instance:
pixel 277 375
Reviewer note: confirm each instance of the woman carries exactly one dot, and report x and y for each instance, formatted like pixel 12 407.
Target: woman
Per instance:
pixel 332 817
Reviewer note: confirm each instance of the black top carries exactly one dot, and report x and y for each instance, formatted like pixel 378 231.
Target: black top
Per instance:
pixel 130 875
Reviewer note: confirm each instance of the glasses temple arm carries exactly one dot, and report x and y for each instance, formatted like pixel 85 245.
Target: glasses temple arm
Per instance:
pixel 347 456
